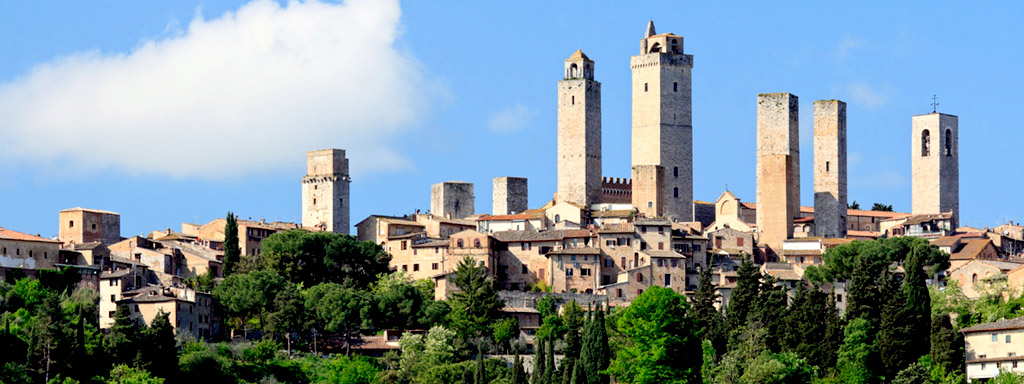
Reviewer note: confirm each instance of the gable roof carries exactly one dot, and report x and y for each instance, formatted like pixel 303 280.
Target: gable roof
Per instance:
pixel 1001 325
pixel 7 234
pixel 550 235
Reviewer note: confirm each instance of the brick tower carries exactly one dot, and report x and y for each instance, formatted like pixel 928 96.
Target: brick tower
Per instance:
pixel 662 127
pixel 325 191
pixel 830 168
pixel 579 132
pixel 778 167
pixel 935 165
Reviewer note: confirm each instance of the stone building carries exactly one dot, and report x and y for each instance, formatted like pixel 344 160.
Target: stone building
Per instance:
pixel 24 251
pixel 579 132
pixel 649 190
pixel 509 195
pixel 452 199
pixel 325 191
pixel 830 168
pixel 250 233
pixel 935 159
pixel 993 348
pixel 662 125
pixel 82 225
pixel 778 166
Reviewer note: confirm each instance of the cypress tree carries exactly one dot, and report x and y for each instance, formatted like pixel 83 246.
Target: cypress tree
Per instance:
pixel 479 376
pixel 539 361
pixel 709 319
pixel 232 252
pixel 770 312
pixel 160 352
pixel 918 302
pixel 594 354
pixel 947 345
pixel 549 363
pixel 895 346
pixel 568 364
pixel 518 374
pixel 748 285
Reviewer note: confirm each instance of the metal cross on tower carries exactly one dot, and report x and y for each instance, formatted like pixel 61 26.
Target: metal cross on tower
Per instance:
pixel 935 103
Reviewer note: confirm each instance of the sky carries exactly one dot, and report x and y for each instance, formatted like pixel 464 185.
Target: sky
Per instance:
pixel 180 111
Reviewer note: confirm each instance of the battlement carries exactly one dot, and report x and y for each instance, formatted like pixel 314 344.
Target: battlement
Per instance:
pixel 613 182
pixel 616 190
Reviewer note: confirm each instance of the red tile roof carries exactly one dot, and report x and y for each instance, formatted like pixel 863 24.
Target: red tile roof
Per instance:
pixel 7 234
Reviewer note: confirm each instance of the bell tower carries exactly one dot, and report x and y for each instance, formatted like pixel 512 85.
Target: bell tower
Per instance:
pixel 579 132
pixel 935 163
pixel 662 121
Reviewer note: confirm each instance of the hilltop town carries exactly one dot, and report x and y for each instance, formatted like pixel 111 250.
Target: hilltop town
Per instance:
pixel 600 241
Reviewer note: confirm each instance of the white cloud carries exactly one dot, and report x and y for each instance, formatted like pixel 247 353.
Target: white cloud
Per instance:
pixel 245 92
pixel 510 119
pixel 847 45
pixel 867 95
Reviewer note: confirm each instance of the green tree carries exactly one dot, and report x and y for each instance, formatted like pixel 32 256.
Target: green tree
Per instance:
pixel 289 315
pixel 246 296
pixel 232 251
pixel 744 297
pixel 475 305
pixel 539 362
pixel 813 327
pixel 159 352
pixel 518 373
pixel 123 374
pixel 854 363
pixel 854 205
pixel 311 258
pixel 778 368
pixel 572 318
pixel 947 345
pixel 770 312
pixel 503 332
pixel 660 344
pixel 339 309
pixel 550 369
pixel 122 342
pixel 595 353
pixel 709 319
pixel 402 303
pixel 881 207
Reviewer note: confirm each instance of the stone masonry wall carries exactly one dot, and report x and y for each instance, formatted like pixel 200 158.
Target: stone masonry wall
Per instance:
pixel 509 195
pixel 579 141
pixel 936 175
pixel 830 168
pixel 778 186
pixel 452 199
pixel 325 191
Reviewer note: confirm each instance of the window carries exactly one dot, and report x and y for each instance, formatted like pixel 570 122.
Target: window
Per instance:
pixel 661 262
pixel 573 100
pixel 639 277
pixel 618 293
pixel 568 272
pixel 71 224
pixel 404 245
pixel 415 267
pixel 584 271
pixel 573 257
pixel 623 262
pixel 405 268
pixel 949 143
pixel 739 241
pixel 94 226
pixel 828 166
pixel 675 192
pixel 643 229
pixel 661 230
pixel 113 298
pixel 668 279
pixel 675 86
pixel 661 245
pixel 433 266
pixel 314 201
pixel 926 144
pixel 639 292
pixel 839 298
pixel 459 243
pixel 525 269
pixel 476 243
pixel 650 204
pixel 645 87
pixel 1007 339
pixel 995 338
pixel 558 218
pixel 675 171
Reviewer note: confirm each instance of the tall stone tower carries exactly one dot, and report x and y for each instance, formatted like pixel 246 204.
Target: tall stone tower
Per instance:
pixel 452 199
pixel 325 191
pixel 509 195
pixel 649 190
pixel 579 132
pixel 662 125
pixel 830 168
pixel 936 165
pixel 778 167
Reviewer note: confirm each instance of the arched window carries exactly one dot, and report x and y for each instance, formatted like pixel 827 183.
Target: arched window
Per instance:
pixel 949 143
pixel 558 218
pixel 675 192
pixel 459 243
pixel 655 48
pixel 974 278
pixel 926 143
pixel 476 243
pixel 675 171
pixel 573 71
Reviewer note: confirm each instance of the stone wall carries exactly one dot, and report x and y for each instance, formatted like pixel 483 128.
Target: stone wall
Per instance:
pixel 579 136
pixel 325 191
pixel 509 195
pixel 79 225
pixel 935 173
pixel 452 199
pixel 648 190
pixel 778 184
pixel 830 168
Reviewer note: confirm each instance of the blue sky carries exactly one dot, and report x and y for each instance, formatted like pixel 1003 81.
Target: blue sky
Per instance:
pixel 466 91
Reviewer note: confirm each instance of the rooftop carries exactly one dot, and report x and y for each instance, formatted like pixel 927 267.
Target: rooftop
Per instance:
pixel 7 234
pixel 1001 325
pixel 80 209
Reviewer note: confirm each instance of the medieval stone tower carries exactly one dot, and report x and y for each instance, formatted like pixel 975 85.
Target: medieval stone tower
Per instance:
pixel 325 191
pixel 830 168
pixel 662 127
pixel 452 199
pixel 778 167
pixel 935 165
pixel 509 195
pixel 579 132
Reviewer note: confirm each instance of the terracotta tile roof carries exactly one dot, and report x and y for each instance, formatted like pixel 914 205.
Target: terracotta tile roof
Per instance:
pixel 406 235
pixel 918 219
pixel 617 228
pixel 970 249
pixel 613 213
pixel 807 219
pixel 576 251
pixel 7 234
pixel 432 243
pixel 873 235
pixel 578 55
pixel 849 212
pixel 663 253
pixel 518 216
pixel 946 241
pixel 652 221
pixel 550 235
pixel 1001 325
